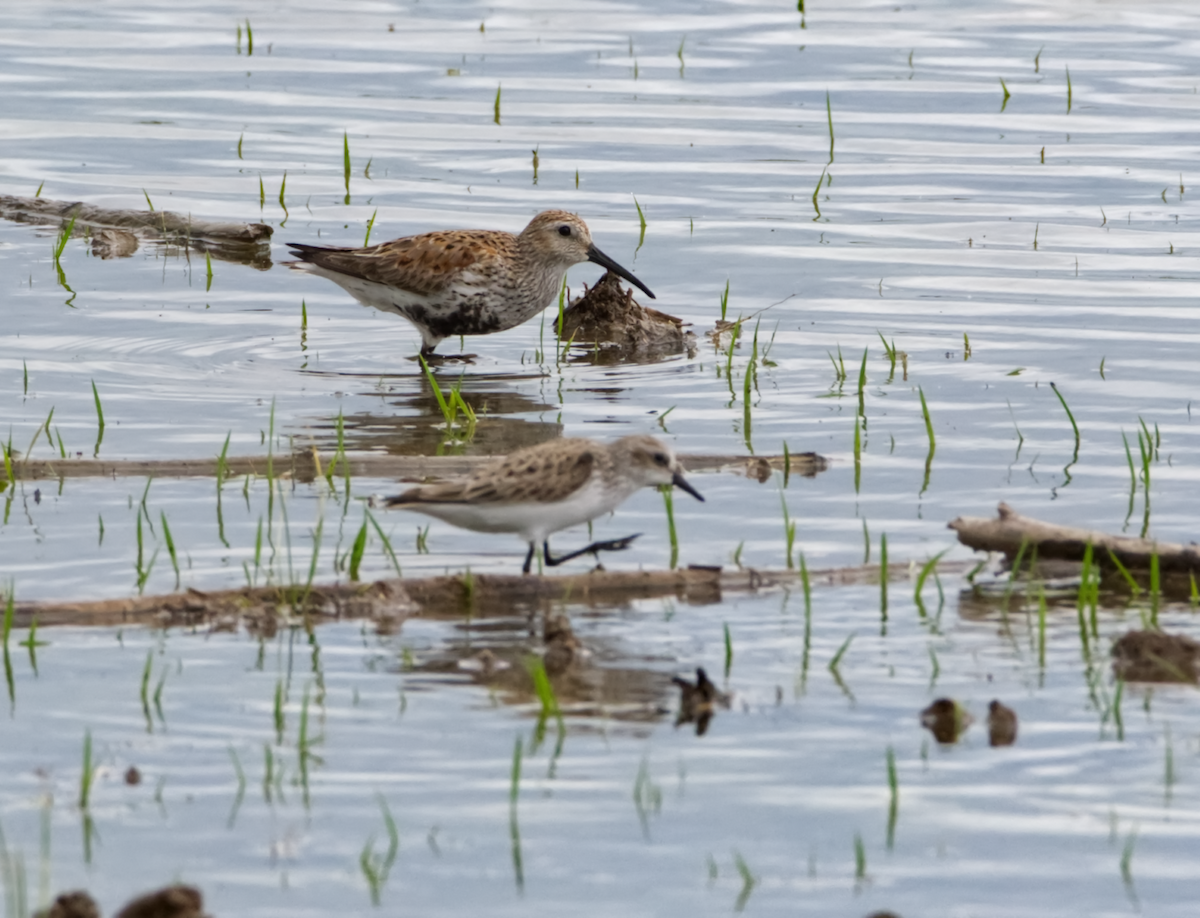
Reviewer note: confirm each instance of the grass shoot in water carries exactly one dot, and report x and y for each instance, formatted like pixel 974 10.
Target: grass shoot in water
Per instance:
pixel 749 881
pixel 669 504
pixel 240 774
pixel 63 238
pixel 641 222
pixel 346 164
pixel 829 115
pixel 883 576
pixel 170 547
pixel 1155 590
pixel 841 652
pixel 356 551
pixel 387 543
pixel 514 830
pixel 370 225
pixel 725 300
pixel 1069 91
pixel 545 694
pixel 932 439
pixel 894 796
pixel 88 774
pixel 496 106
pixel 817 191
pixel 728 649
pixel 890 352
pixel 1041 630
pixel 860 858
pixel 789 531
pixel 1007 94
pixel 9 610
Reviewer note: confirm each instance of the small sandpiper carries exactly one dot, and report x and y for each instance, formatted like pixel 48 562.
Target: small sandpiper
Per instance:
pixel 541 489
pixel 463 282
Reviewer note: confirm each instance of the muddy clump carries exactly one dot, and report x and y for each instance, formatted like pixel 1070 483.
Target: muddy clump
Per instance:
pixel 1154 656
pixel 1002 725
pixel 169 902
pixel 946 719
pixel 608 317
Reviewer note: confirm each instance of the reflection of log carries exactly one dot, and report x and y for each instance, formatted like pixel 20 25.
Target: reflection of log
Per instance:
pixel 390 601
pixel 307 466
pixel 247 243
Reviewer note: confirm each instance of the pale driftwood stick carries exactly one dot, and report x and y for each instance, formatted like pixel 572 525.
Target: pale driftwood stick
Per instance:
pixel 1007 533
pixel 307 466
pixel 262 608
pixel 160 222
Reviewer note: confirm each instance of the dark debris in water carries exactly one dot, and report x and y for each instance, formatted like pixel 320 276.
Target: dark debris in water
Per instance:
pixel 698 701
pixel 946 719
pixel 1002 724
pixel 169 902
pixel 1155 656
pixel 608 317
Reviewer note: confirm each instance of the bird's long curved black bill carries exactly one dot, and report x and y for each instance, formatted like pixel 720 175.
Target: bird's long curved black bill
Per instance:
pixel 682 483
pixel 598 257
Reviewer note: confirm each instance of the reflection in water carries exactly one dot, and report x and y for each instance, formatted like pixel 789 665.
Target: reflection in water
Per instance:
pixel 596 676
pixel 415 425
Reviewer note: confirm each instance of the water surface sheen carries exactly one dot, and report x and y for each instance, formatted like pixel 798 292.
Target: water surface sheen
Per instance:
pixel 1000 243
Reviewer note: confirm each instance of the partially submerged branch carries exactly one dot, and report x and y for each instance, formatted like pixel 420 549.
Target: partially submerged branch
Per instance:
pixel 308 465
pixel 117 231
pixel 1013 534
pixel 388 602
pixel 1010 530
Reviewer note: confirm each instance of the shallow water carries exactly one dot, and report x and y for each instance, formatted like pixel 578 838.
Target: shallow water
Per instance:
pixel 938 218
pixel 786 779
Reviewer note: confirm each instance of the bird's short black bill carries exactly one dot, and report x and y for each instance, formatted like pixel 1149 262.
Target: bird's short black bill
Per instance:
pixel 598 257
pixel 682 483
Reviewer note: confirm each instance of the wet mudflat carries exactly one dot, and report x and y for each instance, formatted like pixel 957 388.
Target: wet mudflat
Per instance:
pixel 941 203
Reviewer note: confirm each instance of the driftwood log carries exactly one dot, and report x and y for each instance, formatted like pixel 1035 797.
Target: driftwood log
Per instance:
pixel 115 232
pixel 389 602
pixel 1010 533
pixel 307 465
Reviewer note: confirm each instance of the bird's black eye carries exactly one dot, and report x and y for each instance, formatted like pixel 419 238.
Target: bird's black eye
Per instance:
pixel 564 230
pixel 661 459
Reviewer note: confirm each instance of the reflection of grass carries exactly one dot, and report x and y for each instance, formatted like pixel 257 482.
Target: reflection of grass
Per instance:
pixel 749 881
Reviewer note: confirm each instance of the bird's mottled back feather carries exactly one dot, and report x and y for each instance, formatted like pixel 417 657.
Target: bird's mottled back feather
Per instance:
pixel 426 264
pixel 529 474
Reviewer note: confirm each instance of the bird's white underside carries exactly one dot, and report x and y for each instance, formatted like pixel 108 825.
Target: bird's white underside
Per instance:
pixel 533 522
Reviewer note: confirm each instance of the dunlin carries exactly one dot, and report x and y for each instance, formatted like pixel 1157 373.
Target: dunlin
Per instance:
pixel 541 489
pixel 463 282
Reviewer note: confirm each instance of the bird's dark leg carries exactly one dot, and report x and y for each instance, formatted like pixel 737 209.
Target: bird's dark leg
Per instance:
pixel 594 548
pixel 528 560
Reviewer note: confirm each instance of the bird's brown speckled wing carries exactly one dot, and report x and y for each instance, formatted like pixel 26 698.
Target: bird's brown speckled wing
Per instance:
pixel 529 475
pixel 424 264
